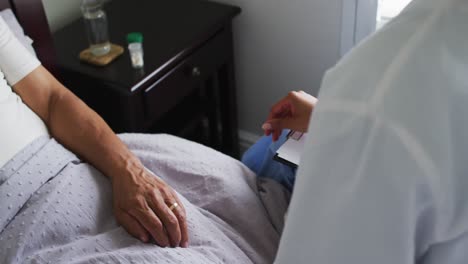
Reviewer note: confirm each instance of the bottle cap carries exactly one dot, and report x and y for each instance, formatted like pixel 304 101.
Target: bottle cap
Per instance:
pixel 135 37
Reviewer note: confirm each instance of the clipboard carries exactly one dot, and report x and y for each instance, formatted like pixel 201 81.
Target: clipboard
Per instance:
pixel 291 151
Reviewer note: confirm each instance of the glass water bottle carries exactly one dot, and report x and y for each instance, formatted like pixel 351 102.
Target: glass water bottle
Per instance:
pixel 95 20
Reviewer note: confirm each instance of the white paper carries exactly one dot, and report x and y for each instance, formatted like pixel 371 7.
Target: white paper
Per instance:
pixel 292 149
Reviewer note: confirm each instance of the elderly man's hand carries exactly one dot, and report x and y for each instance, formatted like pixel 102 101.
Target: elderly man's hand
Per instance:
pixel 142 201
pixel 146 207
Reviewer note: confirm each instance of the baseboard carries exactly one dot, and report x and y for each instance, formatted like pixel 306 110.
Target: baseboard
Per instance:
pixel 247 139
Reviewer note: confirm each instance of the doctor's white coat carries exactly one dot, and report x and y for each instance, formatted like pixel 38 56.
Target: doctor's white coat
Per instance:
pixel 384 175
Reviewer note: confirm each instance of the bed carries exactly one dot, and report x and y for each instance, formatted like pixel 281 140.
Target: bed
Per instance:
pixel 55 208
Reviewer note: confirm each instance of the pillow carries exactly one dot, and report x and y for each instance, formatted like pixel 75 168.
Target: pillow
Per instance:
pixel 15 27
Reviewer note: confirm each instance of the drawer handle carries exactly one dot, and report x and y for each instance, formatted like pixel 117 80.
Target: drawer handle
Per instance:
pixel 196 72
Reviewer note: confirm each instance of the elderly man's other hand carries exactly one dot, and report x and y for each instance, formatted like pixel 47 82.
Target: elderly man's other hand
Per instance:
pixel 291 112
pixel 147 207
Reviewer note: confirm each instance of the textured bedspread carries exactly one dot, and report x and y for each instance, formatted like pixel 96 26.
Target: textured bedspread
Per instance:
pixel 57 209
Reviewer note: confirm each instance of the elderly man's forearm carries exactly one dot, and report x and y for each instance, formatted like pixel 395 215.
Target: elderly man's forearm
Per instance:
pixel 79 128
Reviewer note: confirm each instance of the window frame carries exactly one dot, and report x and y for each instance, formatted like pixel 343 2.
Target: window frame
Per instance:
pixel 358 21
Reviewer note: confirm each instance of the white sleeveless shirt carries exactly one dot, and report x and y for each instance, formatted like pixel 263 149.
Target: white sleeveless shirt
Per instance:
pixel 19 125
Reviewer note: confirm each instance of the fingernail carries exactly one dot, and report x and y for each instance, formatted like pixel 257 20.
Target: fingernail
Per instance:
pixel 144 239
pixel 185 245
pixel 266 126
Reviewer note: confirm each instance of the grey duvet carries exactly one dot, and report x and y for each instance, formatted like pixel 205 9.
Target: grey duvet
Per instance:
pixel 58 209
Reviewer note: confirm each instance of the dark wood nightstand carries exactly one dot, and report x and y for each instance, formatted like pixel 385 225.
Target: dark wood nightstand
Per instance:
pixel 187 86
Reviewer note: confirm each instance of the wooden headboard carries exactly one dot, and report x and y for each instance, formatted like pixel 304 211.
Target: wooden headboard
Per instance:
pixel 32 17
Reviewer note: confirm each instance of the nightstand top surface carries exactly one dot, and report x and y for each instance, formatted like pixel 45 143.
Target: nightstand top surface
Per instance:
pixel 171 29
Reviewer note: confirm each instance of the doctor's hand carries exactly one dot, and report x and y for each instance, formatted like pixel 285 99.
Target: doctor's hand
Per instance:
pixel 292 112
pixel 146 207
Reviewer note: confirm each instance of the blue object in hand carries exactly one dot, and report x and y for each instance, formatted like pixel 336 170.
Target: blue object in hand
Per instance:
pixel 259 158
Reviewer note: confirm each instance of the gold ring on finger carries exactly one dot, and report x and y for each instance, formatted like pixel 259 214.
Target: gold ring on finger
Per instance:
pixel 173 206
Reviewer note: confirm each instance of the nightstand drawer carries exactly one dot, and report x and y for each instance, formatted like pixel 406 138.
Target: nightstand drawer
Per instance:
pixel 179 82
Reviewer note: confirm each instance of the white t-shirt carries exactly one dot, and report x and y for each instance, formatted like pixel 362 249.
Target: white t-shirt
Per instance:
pixel 384 174
pixel 19 125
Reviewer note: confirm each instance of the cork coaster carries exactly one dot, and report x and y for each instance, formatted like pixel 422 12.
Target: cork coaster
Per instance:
pixel 114 53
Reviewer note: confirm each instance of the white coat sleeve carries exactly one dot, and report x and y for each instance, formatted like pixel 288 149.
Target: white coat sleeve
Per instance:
pixel 383 176
pixel 361 197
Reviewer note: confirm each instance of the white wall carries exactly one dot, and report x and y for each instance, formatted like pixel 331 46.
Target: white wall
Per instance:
pixel 282 45
pixel 60 12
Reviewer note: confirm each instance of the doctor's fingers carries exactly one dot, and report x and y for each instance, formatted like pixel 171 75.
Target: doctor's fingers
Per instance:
pixel 301 102
pixel 282 108
pixel 151 223
pixel 294 123
pixel 161 206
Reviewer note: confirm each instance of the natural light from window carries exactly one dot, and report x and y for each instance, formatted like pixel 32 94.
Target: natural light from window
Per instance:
pixel 389 9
